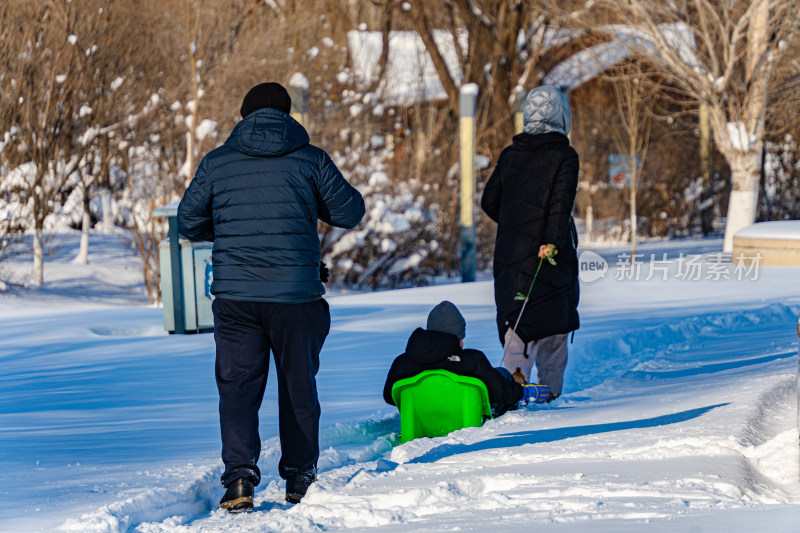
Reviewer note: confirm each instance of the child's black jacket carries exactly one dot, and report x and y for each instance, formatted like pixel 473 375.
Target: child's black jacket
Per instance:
pixel 433 350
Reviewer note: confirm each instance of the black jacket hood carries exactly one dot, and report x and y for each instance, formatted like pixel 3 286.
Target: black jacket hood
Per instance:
pixel 535 141
pixel 427 347
pixel 267 132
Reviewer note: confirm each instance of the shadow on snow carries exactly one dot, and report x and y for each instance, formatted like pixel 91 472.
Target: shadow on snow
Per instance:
pixel 510 440
pixel 705 369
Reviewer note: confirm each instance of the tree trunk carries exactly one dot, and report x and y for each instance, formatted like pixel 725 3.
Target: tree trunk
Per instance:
pixel 83 253
pixel 743 153
pixel 38 255
pixel 746 163
pixel 189 158
pixel 105 187
pixel 745 173
pixel 193 56
pixel 108 216
pixel 706 166
pixel 148 283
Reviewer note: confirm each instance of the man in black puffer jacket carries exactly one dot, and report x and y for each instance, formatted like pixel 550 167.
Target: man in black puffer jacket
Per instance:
pixel 530 195
pixel 258 197
pixel 441 347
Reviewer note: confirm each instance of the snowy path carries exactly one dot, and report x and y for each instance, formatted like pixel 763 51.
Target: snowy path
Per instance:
pixel 681 415
pixel 685 436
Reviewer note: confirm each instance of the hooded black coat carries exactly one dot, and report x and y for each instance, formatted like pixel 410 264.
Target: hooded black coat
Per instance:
pixel 434 350
pixel 530 195
pixel 258 197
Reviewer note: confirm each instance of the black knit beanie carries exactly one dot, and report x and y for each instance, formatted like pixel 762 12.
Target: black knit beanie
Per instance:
pixel 263 95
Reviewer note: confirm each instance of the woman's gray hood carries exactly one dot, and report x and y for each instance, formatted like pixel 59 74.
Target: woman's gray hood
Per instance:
pixel 546 110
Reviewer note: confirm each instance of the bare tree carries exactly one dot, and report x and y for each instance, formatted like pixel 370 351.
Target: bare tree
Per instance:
pixel 42 76
pixel 67 93
pixel 505 43
pixel 721 53
pixel 635 96
pixel 116 96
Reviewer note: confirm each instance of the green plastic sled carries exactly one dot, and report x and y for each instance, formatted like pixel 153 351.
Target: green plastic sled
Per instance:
pixel 435 402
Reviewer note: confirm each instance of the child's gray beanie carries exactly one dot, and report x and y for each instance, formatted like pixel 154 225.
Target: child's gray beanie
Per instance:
pixel 446 319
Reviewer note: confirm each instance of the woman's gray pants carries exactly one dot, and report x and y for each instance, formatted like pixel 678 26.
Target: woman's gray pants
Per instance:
pixel 548 354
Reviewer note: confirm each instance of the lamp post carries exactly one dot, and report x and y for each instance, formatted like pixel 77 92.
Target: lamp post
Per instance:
pixel 519 109
pixel 468 101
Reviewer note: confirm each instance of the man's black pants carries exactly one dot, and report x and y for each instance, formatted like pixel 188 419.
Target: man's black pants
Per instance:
pixel 245 332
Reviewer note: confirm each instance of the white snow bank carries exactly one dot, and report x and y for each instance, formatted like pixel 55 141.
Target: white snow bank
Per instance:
pixel 777 229
pixel 155 504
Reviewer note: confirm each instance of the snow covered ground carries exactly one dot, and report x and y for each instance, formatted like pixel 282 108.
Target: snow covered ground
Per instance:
pixel 680 411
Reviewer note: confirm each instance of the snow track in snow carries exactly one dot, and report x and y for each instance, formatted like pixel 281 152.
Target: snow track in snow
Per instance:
pixel 670 376
pixel 346 445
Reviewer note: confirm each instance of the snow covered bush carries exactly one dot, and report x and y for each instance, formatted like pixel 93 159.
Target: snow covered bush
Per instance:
pixel 149 171
pixel 395 244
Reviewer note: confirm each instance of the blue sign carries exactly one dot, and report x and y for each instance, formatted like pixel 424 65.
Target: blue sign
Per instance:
pixel 619 169
pixel 209 278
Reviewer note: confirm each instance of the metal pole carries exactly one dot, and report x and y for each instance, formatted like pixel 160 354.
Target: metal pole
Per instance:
pixel 177 276
pixel 468 105
pixel 519 109
pixel 298 92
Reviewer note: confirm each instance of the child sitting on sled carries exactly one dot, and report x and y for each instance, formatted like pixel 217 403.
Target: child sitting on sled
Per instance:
pixel 440 346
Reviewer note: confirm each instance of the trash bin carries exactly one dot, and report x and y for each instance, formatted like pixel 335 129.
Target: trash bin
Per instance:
pixel 186 284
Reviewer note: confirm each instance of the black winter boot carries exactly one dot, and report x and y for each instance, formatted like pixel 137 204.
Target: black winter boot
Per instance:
pixel 239 496
pixel 297 486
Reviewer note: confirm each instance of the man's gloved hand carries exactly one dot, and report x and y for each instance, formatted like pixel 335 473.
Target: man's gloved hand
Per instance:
pixel 323 272
pixel 548 251
pixel 535 393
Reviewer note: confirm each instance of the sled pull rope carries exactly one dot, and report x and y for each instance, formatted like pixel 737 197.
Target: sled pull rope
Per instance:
pixel 527 296
pixel 524 303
